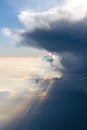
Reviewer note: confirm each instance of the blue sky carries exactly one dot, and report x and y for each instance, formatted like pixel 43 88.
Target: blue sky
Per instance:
pixel 8 18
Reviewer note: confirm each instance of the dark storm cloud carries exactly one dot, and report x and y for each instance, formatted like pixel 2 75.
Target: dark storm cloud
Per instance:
pixel 65 37
pixel 62 36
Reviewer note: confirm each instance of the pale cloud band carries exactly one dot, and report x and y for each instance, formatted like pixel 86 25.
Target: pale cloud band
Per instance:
pixel 24 80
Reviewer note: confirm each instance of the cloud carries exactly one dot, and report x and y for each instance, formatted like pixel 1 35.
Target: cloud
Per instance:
pixel 12 33
pixel 63 36
pixel 6 32
pixel 60 30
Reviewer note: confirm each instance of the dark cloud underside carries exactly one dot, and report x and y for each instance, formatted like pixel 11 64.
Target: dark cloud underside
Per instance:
pixel 62 36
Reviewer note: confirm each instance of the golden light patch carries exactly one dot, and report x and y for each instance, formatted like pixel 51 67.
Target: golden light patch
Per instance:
pixel 43 94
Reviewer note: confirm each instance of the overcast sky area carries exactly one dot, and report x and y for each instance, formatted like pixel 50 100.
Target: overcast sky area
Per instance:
pixel 54 80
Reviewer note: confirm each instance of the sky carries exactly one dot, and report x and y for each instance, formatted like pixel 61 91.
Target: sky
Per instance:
pixel 43 65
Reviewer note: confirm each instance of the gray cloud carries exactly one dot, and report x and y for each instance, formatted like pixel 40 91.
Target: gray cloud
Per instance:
pixel 63 36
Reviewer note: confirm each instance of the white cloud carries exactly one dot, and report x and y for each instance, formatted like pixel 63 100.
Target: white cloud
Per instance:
pixel 69 11
pixel 77 2
pixel 7 32
pixel 14 34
